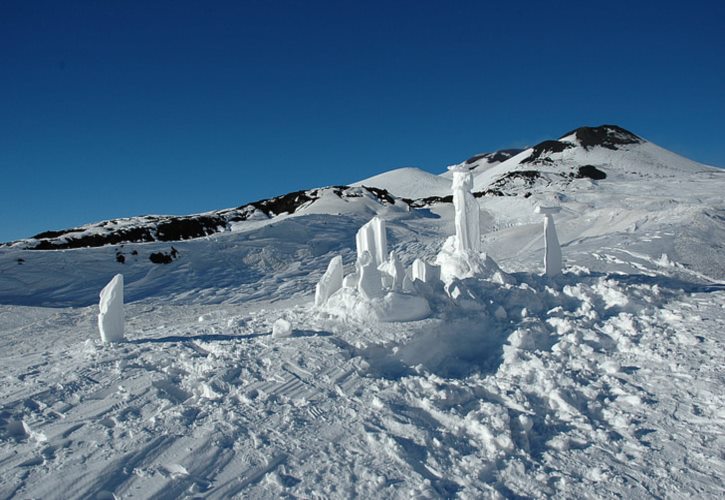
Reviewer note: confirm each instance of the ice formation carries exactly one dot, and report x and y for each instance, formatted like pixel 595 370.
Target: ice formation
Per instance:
pixel 372 238
pixel 552 251
pixel 330 282
pixel 110 318
pixel 468 232
pixel 380 288
pixel 461 255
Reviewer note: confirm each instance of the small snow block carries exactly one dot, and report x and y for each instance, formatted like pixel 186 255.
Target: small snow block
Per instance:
pixel 281 328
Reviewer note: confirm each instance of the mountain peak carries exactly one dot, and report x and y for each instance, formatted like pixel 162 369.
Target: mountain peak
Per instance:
pixel 606 136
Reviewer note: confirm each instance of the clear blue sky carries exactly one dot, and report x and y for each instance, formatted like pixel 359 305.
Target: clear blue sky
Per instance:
pixel 120 108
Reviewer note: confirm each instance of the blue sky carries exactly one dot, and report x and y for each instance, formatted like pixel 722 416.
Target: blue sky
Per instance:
pixel 113 109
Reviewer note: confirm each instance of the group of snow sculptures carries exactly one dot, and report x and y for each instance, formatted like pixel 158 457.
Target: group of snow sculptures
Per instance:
pixel 379 285
pixel 382 286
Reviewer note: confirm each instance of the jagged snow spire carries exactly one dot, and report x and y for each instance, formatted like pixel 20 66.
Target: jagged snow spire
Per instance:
pixel 110 318
pixel 552 249
pixel 372 238
pixel 330 282
pixel 468 232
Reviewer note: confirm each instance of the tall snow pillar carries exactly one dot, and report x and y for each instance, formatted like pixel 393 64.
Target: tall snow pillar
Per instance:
pixel 330 282
pixel 372 238
pixel 110 318
pixel 552 250
pixel 468 231
pixel 370 284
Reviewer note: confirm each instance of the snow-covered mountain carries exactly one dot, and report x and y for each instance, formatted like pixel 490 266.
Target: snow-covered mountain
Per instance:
pixel 605 381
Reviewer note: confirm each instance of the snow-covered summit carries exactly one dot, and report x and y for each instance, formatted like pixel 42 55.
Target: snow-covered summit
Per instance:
pixel 480 162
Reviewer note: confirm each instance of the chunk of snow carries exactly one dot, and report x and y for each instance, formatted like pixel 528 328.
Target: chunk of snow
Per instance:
pixel 369 283
pixel 425 272
pixel 391 307
pixel 330 282
pixel 455 264
pixel 395 270
pixel 110 318
pixel 373 239
pixel 281 328
pixel 350 281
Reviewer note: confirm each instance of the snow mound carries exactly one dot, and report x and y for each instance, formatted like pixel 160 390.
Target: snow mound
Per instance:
pixel 409 182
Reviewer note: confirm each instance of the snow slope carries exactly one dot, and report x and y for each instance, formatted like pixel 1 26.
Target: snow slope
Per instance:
pixel 604 382
pixel 409 182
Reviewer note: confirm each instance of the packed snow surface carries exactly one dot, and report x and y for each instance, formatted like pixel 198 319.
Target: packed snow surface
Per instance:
pixel 604 381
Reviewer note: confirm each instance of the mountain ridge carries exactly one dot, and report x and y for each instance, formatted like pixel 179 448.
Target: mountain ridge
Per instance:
pixel 582 156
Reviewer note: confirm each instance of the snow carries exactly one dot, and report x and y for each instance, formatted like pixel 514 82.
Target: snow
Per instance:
pixel 372 238
pixel 604 382
pixel 552 250
pixel 280 328
pixel 409 182
pixel 424 272
pixel 461 256
pixel 370 281
pixel 468 235
pixel 110 317
pixel 330 282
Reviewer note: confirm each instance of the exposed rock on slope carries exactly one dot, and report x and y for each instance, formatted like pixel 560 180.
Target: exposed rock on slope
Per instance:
pixel 172 228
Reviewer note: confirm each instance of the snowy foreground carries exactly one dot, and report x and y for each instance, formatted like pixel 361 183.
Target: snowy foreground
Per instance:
pixel 605 381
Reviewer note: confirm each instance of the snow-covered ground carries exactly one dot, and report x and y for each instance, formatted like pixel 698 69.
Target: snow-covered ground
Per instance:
pixel 606 381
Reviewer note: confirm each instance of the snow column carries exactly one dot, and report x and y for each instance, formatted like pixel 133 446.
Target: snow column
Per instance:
pixel 110 318
pixel 372 238
pixel 369 283
pixel 330 282
pixel 552 250
pixel 468 232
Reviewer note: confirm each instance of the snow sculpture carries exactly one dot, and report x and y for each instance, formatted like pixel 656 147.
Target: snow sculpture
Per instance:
pixel 372 238
pixel 379 289
pixel 110 318
pixel 422 271
pixel 369 283
pixel 552 250
pixel 468 232
pixel 330 282
pixel 461 255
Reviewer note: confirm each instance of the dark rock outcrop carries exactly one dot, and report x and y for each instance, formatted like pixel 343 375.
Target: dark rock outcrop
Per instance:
pixel 605 136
